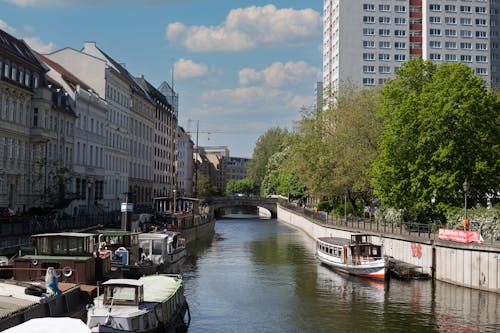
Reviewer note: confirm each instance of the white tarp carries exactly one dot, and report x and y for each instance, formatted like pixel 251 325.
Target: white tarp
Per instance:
pixel 52 325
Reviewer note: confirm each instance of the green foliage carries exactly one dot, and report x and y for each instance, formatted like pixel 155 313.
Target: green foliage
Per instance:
pixel 281 177
pixel 325 206
pixel 246 186
pixel 274 140
pixel 204 187
pixel 488 218
pixel 441 127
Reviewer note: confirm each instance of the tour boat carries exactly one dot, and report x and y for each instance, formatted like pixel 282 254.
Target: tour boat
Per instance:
pixel 163 248
pixel 153 303
pixel 357 256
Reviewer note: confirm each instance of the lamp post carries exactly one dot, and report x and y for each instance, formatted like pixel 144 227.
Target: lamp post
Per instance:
pixel 175 199
pixel 465 186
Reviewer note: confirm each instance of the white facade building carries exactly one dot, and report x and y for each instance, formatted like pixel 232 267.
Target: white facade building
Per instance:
pixel 106 82
pixel 185 185
pixel 365 42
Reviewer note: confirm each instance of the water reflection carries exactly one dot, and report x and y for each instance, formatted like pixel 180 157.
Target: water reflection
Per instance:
pixel 259 275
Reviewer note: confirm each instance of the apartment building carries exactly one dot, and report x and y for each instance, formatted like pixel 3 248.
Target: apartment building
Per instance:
pixel 185 166
pixel 24 133
pixel 107 83
pixel 365 42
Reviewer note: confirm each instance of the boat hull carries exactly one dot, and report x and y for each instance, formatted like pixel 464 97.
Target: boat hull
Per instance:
pixel 376 269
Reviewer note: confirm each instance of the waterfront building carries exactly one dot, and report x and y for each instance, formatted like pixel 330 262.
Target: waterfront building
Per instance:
pixel 24 134
pixel 162 140
pixel 105 80
pixel 236 168
pixel 84 138
pixel 185 186
pixel 365 42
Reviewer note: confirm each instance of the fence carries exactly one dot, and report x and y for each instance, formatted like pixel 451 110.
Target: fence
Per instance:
pixel 425 230
pixel 16 230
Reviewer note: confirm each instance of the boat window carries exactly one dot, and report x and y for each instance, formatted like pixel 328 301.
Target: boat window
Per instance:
pixel 75 246
pixel 120 295
pixel 59 246
pixel 157 246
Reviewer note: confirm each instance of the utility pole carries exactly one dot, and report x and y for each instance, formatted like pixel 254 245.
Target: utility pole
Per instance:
pixel 196 164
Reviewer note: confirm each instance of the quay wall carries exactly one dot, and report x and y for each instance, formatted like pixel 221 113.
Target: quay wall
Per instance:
pixel 466 265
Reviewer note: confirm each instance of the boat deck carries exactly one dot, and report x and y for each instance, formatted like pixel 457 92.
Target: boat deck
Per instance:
pixel 335 240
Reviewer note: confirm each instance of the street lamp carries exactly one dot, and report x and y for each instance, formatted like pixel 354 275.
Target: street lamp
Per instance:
pixel 465 186
pixel 175 199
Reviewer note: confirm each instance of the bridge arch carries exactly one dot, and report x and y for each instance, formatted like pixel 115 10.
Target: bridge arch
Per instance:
pixel 227 202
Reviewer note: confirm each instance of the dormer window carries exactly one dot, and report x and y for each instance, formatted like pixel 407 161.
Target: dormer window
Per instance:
pixel 6 70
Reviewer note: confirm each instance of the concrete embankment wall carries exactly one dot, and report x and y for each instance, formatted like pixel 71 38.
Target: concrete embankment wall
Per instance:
pixel 473 266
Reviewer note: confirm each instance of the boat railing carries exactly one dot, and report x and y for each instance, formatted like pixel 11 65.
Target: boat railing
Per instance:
pixel 65 273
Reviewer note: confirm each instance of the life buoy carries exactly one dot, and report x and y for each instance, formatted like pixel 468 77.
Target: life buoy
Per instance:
pixel 34 262
pixel 67 271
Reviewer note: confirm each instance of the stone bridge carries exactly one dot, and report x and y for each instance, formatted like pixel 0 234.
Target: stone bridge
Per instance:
pixel 227 202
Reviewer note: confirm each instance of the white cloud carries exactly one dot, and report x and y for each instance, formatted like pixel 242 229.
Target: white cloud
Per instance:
pixel 34 42
pixel 185 69
pixel 247 28
pixel 279 74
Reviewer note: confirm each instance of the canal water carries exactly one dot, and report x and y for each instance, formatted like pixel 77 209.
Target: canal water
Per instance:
pixel 260 275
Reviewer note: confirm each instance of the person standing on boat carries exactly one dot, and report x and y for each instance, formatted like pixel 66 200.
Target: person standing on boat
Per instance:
pixel 51 282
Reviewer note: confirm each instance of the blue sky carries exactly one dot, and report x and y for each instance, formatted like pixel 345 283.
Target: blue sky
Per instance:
pixel 240 67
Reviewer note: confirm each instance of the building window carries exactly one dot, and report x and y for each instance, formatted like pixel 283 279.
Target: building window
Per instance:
pixel 481 10
pixel 384 8
pixel 481 34
pixel 368 32
pixel 400 9
pixel 384 44
pixel 384 20
pixel 450 57
pixel 6 69
pixel 384 32
pixel 481 59
pixel 465 58
pixel 384 69
pixel 368 44
pixel 481 22
pixel 450 8
pixel 450 45
pixel 368 7
pixel 465 9
pixel 368 69
pixel 450 20
pixel 384 57
pixel 466 46
pixel 399 33
pixel 481 46
pixel 450 33
pixel 400 57
pixel 481 71
pixel 399 20
pixel 465 21
pixel 368 81
pixel 435 32
pixel 434 19
pixel 435 44
pixel 434 8
pixel 400 45
pixel 465 33
pixel 435 56
pixel 369 19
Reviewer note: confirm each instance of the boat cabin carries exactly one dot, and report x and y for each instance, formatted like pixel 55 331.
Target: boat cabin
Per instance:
pixel 71 254
pixel 157 247
pixel 122 245
pixel 123 292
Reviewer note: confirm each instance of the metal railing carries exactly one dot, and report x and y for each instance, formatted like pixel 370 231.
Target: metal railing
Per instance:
pixel 424 230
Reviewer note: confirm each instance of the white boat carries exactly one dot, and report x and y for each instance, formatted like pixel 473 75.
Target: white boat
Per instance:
pixel 357 256
pixel 153 303
pixel 163 248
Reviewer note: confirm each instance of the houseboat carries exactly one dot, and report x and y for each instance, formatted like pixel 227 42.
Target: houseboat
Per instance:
pixel 123 248
pixel 355 256
pixel 154 303
pixel 73 255
pixel 163 249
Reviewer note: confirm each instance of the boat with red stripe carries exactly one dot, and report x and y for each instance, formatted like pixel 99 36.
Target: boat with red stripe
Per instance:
pixel 356 256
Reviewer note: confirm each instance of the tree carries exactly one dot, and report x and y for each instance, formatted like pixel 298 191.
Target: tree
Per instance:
pixel 441 126
pixel 245 185
pixel 336 146
pixel 269 143
pixel 281 177
pixel 205 188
